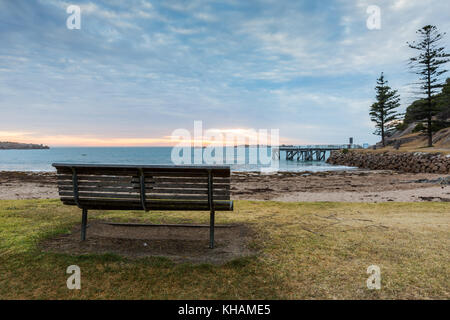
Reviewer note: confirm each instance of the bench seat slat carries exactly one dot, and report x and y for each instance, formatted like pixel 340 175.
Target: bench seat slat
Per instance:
pixel 133 172
pixel 176 186
pixel 149 201
pixel 66 179
pixel 153 205
pixel 185 186
pixel 136 188
pixel 82 184
pixel 110 191
pixel 149 185
pixel 186 197
pixel 179 180
pixel 84 195
pixel 189 183
pixel 97 177
pixel 187 191
pixel 100 189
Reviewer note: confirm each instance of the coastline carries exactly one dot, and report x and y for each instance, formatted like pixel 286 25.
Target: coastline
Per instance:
pixel 368 186
pixel 8 145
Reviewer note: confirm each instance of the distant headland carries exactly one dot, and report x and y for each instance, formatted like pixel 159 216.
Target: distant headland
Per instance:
pixel 5 145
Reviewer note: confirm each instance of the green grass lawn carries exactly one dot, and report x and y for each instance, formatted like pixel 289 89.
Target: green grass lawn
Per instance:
pixel 308 251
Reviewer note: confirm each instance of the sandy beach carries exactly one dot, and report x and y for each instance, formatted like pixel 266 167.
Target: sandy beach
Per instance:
pixel 342 186
pixel 336 186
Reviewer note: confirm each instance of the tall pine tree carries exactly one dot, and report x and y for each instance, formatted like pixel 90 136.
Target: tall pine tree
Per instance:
pixel 444 102
pixel 428 65
pixel 383 111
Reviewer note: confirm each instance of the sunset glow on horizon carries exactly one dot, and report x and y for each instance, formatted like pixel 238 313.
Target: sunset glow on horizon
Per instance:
pixel 228 137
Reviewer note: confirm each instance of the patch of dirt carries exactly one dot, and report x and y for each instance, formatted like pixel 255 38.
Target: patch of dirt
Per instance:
pixel 44 178
pixel 178 243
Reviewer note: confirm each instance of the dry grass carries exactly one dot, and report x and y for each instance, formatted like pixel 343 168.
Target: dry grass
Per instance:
pixel 308 251
pixel 419 144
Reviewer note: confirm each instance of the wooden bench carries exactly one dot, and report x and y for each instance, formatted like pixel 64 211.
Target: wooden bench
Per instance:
pixel 145 187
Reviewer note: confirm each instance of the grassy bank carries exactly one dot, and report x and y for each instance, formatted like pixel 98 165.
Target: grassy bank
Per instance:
pixel 308 251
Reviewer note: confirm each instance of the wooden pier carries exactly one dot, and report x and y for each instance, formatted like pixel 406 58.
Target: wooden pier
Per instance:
pixel 306 153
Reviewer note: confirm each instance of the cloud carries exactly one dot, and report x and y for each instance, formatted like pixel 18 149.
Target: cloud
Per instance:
pixel 184 31
pixel 139 69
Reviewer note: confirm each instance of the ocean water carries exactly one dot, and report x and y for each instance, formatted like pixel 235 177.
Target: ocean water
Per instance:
pixel 41 160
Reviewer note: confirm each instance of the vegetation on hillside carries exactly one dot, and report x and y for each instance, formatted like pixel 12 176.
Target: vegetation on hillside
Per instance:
pixel 442 116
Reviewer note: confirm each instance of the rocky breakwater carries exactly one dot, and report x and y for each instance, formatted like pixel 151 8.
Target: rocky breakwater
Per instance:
pixel 415 162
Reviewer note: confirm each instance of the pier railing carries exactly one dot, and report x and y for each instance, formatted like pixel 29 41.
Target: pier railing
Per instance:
pixel 309 152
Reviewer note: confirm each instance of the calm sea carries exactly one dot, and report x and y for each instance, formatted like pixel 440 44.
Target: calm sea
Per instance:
pixel 41 160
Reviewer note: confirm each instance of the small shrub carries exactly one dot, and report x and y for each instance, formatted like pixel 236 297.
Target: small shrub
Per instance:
pixel 439 125
pixel 435 126
pixel 419 128
pixel 401 126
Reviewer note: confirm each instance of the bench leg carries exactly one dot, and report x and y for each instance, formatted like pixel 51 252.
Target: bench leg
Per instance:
pixel 211 229
pixel 83 225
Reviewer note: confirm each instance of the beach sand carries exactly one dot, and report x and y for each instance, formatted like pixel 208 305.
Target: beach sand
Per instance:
pixel 339 186
pixel 342 186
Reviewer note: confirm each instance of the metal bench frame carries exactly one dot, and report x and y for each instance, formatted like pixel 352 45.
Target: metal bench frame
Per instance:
pixel 142 192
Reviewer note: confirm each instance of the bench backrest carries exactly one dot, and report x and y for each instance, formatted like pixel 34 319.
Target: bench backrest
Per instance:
pixel 144 187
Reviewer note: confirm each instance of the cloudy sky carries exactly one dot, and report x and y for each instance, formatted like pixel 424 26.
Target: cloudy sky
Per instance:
pixel 137 70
